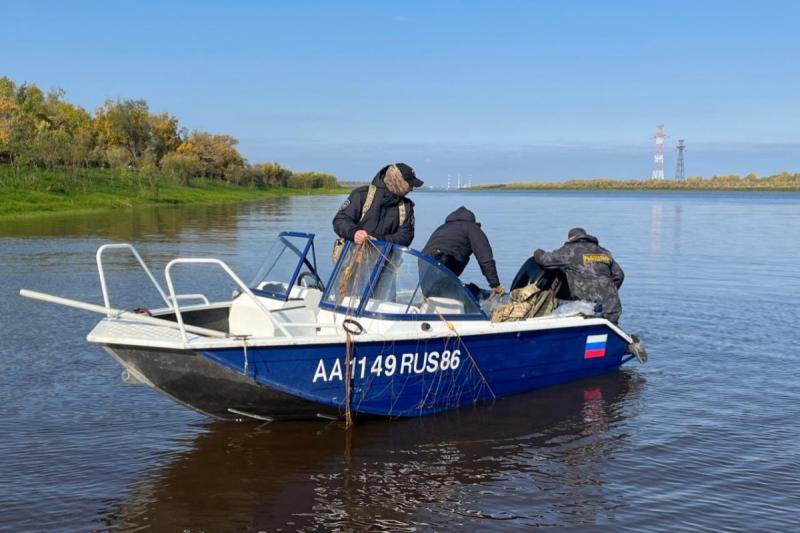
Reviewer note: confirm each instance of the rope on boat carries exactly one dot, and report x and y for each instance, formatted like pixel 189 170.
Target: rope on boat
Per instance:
pixel 452 328
pixel 348 381
pixel 246 358
pixel 351 271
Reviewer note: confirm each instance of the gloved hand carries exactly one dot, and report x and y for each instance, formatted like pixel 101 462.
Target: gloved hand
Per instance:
pixel 498 291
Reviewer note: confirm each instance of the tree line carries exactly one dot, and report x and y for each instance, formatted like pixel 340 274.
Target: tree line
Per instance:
pixel 41 130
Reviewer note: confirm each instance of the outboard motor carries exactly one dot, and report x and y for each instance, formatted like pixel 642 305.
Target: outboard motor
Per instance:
pixel 531 272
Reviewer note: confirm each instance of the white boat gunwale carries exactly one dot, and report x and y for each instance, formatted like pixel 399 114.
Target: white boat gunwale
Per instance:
pixel 463 329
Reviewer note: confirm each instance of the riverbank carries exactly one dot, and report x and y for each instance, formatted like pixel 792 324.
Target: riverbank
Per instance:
pixel 34 193
pixel 783 182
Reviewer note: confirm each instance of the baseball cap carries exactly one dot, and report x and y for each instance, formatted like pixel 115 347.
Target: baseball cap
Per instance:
pixel 409 175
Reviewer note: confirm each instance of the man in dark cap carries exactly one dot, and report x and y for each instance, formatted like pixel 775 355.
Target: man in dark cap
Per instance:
pixel 380 210
pixel 592 274
pixel 459 237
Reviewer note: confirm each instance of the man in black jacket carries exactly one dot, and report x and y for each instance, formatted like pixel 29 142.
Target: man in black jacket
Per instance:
pixel 459 237
pixel 592 273
pixel 389 215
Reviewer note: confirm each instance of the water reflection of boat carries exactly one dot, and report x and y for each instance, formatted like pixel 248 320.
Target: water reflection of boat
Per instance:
pixel 393 333
pixel 541 454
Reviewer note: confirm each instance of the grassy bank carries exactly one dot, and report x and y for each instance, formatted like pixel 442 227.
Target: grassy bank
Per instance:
pixel 784 181
pixel 29 192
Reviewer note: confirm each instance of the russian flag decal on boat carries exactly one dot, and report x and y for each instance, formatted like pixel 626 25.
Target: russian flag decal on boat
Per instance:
pixel 595 346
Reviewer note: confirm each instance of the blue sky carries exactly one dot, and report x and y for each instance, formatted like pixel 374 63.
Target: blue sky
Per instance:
pixel 498 90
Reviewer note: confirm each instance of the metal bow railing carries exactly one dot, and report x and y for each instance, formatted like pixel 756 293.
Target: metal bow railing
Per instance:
pixel 208 261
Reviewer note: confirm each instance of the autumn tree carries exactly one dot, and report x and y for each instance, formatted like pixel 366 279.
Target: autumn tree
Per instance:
pixel 217 154
pixel 165 135
pixel 271 174
pixel 8 112
pixel 312 180
pixel 125 125
pixel 19 113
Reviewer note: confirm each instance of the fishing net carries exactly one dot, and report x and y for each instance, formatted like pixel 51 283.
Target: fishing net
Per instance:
pixel 401 287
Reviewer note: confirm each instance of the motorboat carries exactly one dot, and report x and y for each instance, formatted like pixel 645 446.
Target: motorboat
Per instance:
pixel 392 333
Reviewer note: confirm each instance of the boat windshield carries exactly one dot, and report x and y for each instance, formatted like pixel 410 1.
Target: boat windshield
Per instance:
pixel 291 260
pixel 351 277
pixel 391 281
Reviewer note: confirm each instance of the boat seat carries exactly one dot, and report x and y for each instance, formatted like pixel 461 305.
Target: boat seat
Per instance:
pixel 247 318
pixel 312 297
pixel 442 306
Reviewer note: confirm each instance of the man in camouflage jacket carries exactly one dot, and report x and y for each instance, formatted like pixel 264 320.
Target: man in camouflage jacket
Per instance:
pixel 592 274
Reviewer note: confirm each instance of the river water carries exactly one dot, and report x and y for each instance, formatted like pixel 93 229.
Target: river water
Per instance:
pixel 704 436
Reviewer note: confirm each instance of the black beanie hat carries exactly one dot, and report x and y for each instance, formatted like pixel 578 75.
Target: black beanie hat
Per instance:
pixel 575 233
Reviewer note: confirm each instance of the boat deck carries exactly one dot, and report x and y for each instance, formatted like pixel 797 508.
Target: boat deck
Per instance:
pixel 121 331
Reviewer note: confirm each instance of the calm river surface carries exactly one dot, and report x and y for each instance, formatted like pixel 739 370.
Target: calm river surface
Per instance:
pixel 705 436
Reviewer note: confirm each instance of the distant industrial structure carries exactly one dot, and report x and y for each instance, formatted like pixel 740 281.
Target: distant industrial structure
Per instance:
pixel 458 182
pixel 679 171
pixel 658 159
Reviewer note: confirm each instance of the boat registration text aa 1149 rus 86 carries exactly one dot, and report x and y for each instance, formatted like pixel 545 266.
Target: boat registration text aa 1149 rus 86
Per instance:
pixel 388 365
